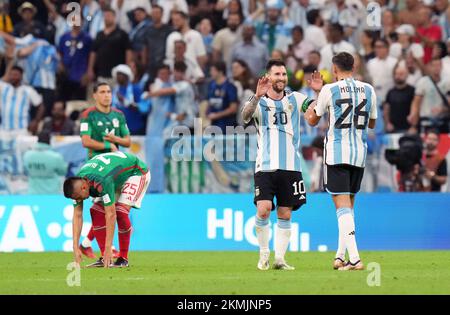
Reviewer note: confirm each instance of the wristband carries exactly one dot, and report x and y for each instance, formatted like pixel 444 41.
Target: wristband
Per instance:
pixel 107 145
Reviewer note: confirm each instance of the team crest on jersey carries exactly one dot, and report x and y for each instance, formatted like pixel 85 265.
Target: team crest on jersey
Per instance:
pixel 290 107
pixel 115 123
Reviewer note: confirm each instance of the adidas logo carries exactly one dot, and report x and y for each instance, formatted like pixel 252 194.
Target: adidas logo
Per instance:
pixel 99 123
pixel 351 233
pixel 302 197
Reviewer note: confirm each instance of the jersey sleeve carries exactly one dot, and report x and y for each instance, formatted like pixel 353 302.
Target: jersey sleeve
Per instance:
pixel 323 101
pixel 303 101
pixel 108 193
pixel 85 126
pixel 124 131
pixel 374 106
pixel 35 97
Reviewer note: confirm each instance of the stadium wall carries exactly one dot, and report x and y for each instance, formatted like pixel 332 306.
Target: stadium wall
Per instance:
pixel 385 221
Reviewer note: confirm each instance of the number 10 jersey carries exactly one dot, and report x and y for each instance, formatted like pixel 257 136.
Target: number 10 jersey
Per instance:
pixel 350 104
pixel 278 126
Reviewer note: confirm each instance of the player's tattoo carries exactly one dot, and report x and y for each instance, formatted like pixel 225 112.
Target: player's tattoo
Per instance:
pixel 249 108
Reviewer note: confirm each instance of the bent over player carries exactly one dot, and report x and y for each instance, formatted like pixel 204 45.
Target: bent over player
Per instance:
pixel 278 172
pixel 352 108
pixel 120 180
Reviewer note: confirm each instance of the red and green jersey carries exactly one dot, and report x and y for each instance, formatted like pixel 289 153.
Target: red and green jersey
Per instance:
pixel 108 172
pixel 96 124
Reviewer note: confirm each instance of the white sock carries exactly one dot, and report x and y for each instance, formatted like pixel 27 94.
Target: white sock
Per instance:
pixel 86 242
pixel 340 253
pixel 262 233
pixel 346 225
pixel 282 238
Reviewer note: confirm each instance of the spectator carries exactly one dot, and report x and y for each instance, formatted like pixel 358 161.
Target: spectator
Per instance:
pixel 427 32
pixel 93 20
pixel 381 68
pixel 195 49
pixel 58 124
pixel 205 10
pixel 185 109
pixel 442 11
pixel 29 25
pixel 389 24
pixel 297 10
pixel 228 7
pixel 193 73
pixel 336 44
pixel 435 164
pixel 126 96
pixel 446 59
pixel 205 29
pixel 430 105
pixel 222 98
pixel 74 49
pixel 226 38
pixel 111 39
pixel 138 33
pixel 172 5
pixel 398 102
pixel 58 24
pixel 318 165
pixel 251 50
pixel 314 33
pixel 348 16
pixel 275 30
pixel 125 9
pixel 298 50
pixel 40 62
pixel 16 102
pixel 414 69
pixel 154 51
pixel 368 38
pixel 405 46
pixel 360 69
pixel 410 13
pixel 314 59
pixel 244 83
pixel 45 167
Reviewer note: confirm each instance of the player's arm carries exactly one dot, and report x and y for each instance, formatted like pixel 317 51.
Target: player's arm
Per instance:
pixel 373 114
pixel 231 109
pixel 249 107
pixel 110 218
pixel 317 108
pixel 162 92
pixel 311 115
pixel 124 141
pixel 77 224
pixel 95 145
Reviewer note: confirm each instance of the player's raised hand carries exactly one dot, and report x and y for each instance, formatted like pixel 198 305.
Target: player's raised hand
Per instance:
pixel 263 86
pixel 77 256
pixel 316 81
pixel 107 258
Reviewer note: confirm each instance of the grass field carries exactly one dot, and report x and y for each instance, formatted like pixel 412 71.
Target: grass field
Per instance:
pixel 403 272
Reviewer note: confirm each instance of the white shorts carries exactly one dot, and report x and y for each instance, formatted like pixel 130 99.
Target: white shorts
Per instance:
pixel 133 190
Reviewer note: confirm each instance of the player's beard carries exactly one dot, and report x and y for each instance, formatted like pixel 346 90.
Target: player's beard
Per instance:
pixel 277 87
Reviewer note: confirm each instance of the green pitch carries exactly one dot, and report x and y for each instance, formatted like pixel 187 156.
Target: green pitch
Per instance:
pixel 403 272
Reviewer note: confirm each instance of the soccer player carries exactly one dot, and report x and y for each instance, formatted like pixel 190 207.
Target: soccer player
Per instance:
pixel 103 177
pixel 278 172
pixel 102 129
pixel 352 108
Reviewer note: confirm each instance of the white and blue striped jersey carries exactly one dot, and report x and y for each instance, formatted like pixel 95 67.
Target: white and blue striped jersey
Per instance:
pixel 350 104
pixel 278 126
pixel 15 104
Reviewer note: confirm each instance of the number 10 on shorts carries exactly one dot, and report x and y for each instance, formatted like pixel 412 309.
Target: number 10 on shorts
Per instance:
pixel 299 188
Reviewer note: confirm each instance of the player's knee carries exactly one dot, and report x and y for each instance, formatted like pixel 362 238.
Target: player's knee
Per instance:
pixel 263 210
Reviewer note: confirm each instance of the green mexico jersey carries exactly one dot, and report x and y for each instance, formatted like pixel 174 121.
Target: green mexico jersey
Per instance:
pixel 108 172
pixel 97 125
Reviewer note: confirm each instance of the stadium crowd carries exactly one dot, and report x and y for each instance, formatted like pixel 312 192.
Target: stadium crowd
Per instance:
pixel 202 58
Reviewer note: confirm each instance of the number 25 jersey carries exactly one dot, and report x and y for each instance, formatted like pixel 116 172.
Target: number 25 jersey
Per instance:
pixel 350 104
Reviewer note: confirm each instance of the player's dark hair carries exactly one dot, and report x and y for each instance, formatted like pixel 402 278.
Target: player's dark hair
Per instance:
pixel 17 68
pixel 220 66
pixel 297 28
pixel 99 84
pixel 162 67
pixel 344 61
pixel 309 69
pixel 274 62
pixel 312 15
pixel 180 66
pixel 156 6
pixel 69 185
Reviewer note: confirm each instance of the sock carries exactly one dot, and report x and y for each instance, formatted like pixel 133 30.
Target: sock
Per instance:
pixel 90 236
pixel 262 233
pixel 340 253
pixel 124 224
pixel 99 227
pixel 346 225
pixel 282 238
